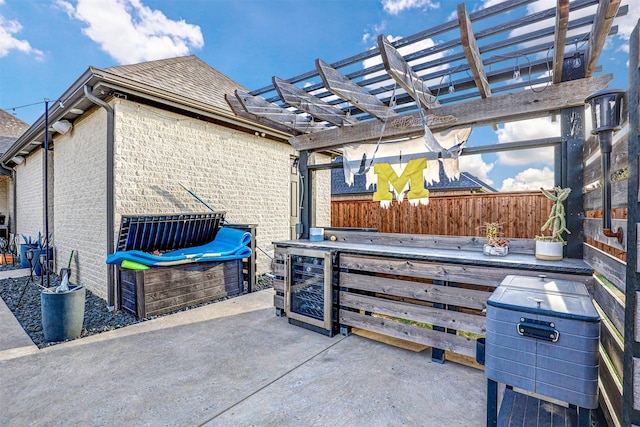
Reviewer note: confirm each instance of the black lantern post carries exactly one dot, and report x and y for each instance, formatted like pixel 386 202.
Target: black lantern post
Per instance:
pixel 606 115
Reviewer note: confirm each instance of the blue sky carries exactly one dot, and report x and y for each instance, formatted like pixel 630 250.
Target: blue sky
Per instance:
pixel 46 44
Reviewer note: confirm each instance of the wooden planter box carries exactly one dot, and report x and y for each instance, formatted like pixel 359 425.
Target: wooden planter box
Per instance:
pixel 160 290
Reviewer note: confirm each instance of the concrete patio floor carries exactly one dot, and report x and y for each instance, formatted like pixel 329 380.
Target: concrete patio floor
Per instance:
pixel 233 363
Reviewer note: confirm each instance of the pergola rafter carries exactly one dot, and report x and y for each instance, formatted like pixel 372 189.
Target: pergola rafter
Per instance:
pixel 562 26
pixel 607 11
pixel 471 51
pixel 338 84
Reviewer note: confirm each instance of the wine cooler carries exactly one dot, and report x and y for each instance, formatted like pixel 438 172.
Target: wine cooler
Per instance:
pixel 311 291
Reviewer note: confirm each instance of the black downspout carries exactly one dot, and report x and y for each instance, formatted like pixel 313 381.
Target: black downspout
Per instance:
pixel 111 291
pixel 46 193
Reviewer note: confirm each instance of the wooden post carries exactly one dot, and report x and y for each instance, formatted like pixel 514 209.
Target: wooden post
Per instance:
pixel 572 128
pixel 630 413
pixel 249 270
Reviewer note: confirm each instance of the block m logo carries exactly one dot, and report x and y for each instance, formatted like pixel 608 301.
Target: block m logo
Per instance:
pixel 413 173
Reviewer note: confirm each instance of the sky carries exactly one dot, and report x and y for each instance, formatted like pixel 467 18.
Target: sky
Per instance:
pixel 45 45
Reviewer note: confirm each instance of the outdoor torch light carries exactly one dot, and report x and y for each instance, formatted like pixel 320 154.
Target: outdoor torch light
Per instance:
pixel 606 115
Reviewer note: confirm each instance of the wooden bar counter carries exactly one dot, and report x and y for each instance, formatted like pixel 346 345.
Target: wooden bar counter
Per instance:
pixel 425 289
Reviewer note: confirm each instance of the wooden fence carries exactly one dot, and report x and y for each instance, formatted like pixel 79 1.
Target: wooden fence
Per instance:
pixel 520 213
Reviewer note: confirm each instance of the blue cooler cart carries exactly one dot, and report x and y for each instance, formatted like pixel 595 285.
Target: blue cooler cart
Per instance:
pixel 542 337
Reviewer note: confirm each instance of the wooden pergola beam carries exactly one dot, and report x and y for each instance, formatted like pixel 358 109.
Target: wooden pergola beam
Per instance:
pixel 273 113
pixel 513 106
pixel 239 110
pixel 304 101
pixel 472 52
pixel 560 40
pixel 607 11
pixel 402 73
pixel 338 84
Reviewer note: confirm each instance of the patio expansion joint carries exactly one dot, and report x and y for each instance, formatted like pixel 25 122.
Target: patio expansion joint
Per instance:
pixel 304 362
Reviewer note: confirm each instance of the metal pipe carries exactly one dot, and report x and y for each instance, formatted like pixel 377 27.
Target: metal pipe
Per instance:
pixel 46 192
pixel 606 138
pixel 111 288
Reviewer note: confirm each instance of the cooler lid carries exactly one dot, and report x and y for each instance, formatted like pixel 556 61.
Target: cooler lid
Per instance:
pixel 555 298
pixel 548 285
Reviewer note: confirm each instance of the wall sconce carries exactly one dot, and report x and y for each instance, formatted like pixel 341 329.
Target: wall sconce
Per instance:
pixel 17 160
pixel 62 126
pixel 606 115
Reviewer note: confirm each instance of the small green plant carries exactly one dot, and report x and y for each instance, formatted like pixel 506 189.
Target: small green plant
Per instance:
pixel 493 233
pixel 557 222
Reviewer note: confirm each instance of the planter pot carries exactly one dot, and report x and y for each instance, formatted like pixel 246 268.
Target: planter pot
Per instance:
pixel 62 313
pixel 549 251
pixel 495 250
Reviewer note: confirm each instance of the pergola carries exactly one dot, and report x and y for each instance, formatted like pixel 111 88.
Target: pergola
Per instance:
pixel 467 77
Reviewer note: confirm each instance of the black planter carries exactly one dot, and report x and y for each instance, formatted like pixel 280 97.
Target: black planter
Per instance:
pixel 62 313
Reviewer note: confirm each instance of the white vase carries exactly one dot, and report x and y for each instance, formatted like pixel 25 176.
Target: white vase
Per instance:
pixel 549 251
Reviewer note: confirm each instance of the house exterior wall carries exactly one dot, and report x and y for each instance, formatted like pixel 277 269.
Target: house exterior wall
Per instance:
pixel 322 190
pixel 155 151
pixel 80 201
pixel 242 174
pixel 29 199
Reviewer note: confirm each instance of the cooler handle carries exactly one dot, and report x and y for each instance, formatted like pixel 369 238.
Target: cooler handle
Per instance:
pixel 537 329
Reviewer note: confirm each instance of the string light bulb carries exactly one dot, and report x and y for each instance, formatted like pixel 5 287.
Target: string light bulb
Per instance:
pixel 577 58
pixel 452 88
pixel 516 70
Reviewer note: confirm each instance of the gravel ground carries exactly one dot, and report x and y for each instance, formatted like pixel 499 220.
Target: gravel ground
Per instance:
pixel 97 318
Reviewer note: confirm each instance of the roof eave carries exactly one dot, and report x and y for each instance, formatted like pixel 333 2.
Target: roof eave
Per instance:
pixel 96 78
pixel 116 82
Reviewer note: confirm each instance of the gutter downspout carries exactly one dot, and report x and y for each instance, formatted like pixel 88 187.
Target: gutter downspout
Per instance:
pixel 111 290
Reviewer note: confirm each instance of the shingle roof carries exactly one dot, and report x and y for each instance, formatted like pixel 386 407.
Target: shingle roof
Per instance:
pixel 11 128
pixel 186 76
pixel 466 182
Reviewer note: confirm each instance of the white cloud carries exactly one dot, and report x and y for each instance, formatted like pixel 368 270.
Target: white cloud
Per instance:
pixel 525 131
pixel 8 41
pixel 370 36
pixel 529 179
pixel 394 7
pixel 476 167
pixel 131 32
pixel 626 24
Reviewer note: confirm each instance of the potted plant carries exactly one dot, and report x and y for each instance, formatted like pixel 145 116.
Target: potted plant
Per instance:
pixel 550 247
pixel 496 244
